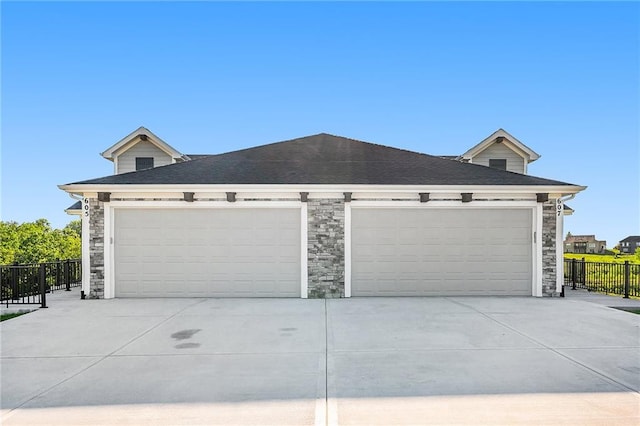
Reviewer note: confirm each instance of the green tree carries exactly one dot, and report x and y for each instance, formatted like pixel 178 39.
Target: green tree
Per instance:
pixel 9 242
pixel 33 242
pixel 638 253
pixel 75 226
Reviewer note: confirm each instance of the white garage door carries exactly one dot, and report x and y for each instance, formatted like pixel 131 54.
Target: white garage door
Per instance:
pixel 234 252
pixel 425 252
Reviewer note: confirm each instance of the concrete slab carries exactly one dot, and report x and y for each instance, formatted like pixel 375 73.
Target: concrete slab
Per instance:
pixel 481 361
pixel 514 409
pixel 264 361
pixel 220 326
pixel 620 364
pixel 253 361
pixel 585 326
pixel 398 324
pixel 25 378
pixel 459 372
pixel 600 299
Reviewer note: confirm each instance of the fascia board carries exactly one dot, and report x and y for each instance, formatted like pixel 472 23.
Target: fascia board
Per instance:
pixel 530 154
pixel 122 144
pixel 558 189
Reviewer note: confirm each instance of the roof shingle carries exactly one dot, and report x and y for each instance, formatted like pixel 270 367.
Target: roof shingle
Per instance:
pixel 323 159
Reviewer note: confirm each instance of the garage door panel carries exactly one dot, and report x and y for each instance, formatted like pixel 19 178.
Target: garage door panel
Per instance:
pixel 424 251
pixel 207 252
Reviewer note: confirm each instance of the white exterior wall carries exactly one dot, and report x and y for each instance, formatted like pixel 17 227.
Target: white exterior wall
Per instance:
pixel 515 163
pixel 126 162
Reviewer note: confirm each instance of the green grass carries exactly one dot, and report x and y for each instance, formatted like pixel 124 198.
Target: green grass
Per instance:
pixel 5 317
pixel 631 310
pixel 607 258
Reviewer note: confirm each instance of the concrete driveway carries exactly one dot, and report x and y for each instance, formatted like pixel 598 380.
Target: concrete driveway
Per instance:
pixel 351 361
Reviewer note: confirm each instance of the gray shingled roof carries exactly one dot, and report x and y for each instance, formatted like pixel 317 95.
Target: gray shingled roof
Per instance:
pixel 75 206
pixel 323 159
pixel 631 239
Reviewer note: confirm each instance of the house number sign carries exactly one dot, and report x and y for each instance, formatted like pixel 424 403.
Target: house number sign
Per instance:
pixel 85 207
pixel 559 207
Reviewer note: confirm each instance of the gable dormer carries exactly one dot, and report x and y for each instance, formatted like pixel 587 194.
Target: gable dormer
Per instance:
pixel 502 151
pixel 139 150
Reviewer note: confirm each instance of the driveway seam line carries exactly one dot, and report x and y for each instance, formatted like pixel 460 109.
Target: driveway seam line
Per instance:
pixel 101 359
pixel 550 348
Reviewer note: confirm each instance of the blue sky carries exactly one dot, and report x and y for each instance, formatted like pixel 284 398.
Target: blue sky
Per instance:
pixel 211 77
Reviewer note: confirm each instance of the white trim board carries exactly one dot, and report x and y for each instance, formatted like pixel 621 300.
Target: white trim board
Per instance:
pixel 85 247
pixel 328 188
pixel 559 213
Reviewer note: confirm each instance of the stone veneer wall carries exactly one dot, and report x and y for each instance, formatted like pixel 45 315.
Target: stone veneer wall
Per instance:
pixel 325 237
pixel 549 249
pixel 96 249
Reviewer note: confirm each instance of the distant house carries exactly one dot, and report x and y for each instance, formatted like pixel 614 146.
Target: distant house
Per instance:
pixel 584 244
pixel 630 244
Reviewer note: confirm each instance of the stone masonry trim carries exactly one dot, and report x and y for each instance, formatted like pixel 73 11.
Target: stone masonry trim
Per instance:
pixel 325 248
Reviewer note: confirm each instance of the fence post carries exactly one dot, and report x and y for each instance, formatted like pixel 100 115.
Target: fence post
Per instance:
pixel 573 274
pixel 67 278
pixel 626 279
pixel 57 285
pixel 43 286
pixel 15 279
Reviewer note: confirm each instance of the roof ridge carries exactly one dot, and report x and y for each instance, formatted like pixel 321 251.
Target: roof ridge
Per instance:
pixel 320 134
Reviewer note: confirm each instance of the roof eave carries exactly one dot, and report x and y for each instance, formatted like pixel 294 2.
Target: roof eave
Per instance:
pixel 123 188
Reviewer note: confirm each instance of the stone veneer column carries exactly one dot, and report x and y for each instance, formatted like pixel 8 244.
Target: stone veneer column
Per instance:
pixel 549 249
pixel 325 237
pixel 96 249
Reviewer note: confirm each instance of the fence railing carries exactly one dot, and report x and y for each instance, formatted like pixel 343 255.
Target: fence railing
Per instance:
pixel 29 283
pixel 610 278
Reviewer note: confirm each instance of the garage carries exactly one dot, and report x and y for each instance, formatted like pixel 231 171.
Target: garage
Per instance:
pixel 207 252
pixel 441 251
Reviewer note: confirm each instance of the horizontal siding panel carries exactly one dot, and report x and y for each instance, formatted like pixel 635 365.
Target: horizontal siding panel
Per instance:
pixel 127 160
pixel 515 163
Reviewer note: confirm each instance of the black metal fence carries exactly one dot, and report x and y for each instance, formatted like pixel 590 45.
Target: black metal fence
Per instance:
pixel 29 284
pixel 610 278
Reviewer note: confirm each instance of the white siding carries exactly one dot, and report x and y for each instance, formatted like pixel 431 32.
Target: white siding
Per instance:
pixel 127 160
pixel 515 163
